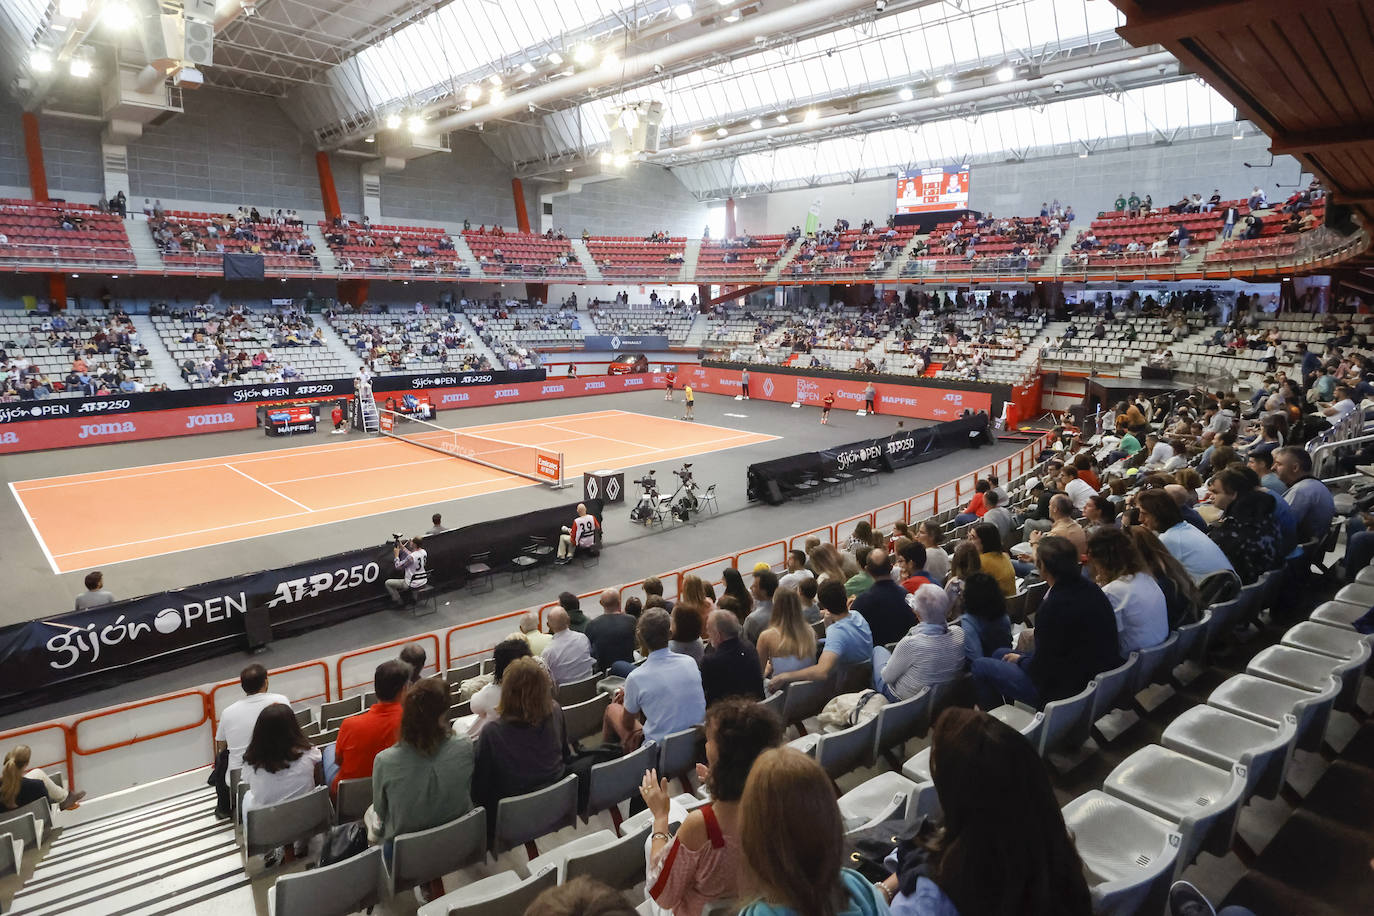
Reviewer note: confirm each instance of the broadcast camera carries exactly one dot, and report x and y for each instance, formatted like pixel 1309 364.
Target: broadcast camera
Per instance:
pixel 685 475
pixel 648 500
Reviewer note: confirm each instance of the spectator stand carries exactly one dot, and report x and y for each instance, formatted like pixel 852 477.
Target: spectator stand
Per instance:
pixel 418 251
pixel 240 346
pixel 48 356
pixel 844 252
pixel 746 257
pixel 621 258
pixel 64 234
pixel 198 241
pixel 671 318
pixel 402 342
pixel 523 255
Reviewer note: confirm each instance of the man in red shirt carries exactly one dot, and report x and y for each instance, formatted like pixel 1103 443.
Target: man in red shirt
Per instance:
pixel 827 403
pixel 337 415
pixel 364 736
pixel 669 381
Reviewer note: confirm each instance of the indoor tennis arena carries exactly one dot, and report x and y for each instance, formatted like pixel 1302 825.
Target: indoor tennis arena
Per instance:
pixel 683 457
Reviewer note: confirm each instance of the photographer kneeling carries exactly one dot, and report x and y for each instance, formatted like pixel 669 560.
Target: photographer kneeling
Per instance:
pixel 582 534
pixel 411 558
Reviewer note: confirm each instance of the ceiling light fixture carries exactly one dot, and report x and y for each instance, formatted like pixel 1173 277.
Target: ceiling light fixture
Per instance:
pixel 415 124
pixel 40 62
pixel 756 123
pixel 683 11
pixel 722 132
pixel 393 121
pixel 370 138
pixel 1005 73
pixel 117 15
pixel 906 94
pixel 494 79
pixel 496 97
pixel 567 170
pixel 80 67
pixel 1238 132
pixel 694 140
pixel 1084 154
pixel 781 118
pixel 811 116
pixel 472 93
pixel 944 85
pixel 620 161
pixel 555 58
pixel 71 9
pixel 732 16
pixel 583 53
pixel 527 68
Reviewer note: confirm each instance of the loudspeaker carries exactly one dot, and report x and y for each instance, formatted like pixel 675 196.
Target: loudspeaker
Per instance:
pixel 651 122
pixel 1341 217
pixel 200 41
pixel 162 38
pixel 773 494
pixel 257 625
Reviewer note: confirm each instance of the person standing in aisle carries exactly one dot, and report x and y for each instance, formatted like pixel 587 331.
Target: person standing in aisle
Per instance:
pixel 688 397
pixel 669 381
pixel 826 403
pixel 744 384
pixel 870 396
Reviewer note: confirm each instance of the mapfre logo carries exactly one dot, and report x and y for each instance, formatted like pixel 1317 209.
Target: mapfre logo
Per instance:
pixel 95 430
pixel 209 419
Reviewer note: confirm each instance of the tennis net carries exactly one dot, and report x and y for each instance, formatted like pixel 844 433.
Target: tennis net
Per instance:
pixel 538 464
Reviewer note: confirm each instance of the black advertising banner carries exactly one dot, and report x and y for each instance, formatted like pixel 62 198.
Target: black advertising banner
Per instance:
pixel 887 453
pixel 244 266
pixel 68 654
pixel 317 389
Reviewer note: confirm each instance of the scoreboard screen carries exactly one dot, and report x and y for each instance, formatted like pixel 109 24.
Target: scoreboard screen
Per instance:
pixel 932 190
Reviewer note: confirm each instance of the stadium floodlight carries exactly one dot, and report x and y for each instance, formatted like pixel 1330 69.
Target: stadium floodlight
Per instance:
pixel 722 132
pixel 116 15
pixel 496 97
pixel 555 58
pixel 415 124
pixel 781 118
pixel 629 119
pixel 811 116
pixel 906 94
pixel 944 85
pixel 732 16
pixel 683 11
pixel 370 138
pixel 694 140
pixel 393 122
pixel 756 123
pixel 1005 73
pixel 472 93
pixel 494 79
pixel 80 67
pixel 40 62
pixel 71 9
pixel 527 68
pixel 583 53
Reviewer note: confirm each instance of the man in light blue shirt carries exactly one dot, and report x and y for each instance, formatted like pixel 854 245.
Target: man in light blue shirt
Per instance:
pixel 663 695
pixel 1195 551
pixel 1310 499
pixel 848 640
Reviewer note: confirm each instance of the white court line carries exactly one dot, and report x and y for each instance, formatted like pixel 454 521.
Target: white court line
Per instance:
pixel 268 488
pixel 618 464
pixel 42 545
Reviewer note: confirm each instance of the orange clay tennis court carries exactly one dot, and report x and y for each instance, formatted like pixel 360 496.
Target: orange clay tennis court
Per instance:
pixel 164 508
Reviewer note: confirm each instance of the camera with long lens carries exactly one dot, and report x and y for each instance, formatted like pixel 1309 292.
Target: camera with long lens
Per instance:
pixel 685 475
pixel 647 482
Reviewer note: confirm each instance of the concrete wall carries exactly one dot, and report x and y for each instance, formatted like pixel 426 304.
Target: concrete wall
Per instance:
pixel 1018 189
pixel 468 183
pixel 71 155
pixel 646 198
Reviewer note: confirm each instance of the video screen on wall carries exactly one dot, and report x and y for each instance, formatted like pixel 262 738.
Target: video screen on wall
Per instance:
pixel 932 190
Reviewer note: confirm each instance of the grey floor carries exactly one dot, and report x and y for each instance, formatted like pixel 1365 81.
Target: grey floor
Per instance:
pixel 33 590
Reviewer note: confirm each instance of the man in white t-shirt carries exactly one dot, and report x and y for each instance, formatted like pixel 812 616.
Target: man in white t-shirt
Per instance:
pixel 581 534
pixel 1343 405
pixel 796 570
pixel 235 730
pixel 1160 451
pixel 1076 488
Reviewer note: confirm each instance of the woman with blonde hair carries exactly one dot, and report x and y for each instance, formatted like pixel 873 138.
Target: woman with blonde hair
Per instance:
pixel 698 594
pixel 792 840
pixel 967 560
pixel 827 565
pixel 17 780
pixel 789 642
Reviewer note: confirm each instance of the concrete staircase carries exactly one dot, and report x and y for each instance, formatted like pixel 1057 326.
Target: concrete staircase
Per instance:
pixel 584 255
pixel 696 334
pixel 480 345
pixel 585 320
pixel 778 268
pixel 895 271
pixel 464 254
pixel 690 254
pixel 146 253
pixel 328 262
pixel 165 368
pixel 339 347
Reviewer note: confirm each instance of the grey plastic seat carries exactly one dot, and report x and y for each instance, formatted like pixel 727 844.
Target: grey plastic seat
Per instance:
pixel 286 822
pixel 575 692
pixel 615 781
pixel 1224 739
pixel 1357 593
pixel 1324 640
pixel 1191 644
pixel 883 796
pixel 899 722
pixel 1129 855
pixel 502 894
pixel 333 724
pixel 331 890
pixel 456 676
pixel 1203 801
pixel 1338 614
pixel 25 829
pixel 12 852
pixel 804 699
pixel 679 754
pixel 582 720
pixel 1268 702
pixel 1151 666
pixel 354 797
pixel 1110 686
pixel 1309 670
pixel 775 701
pixel 844 750
pixel 340 708
pixel 618 864
pixel 1225 615
pixel 522 819
pixel 1067 723
pixel 1027 722
pixel 1365 576
pixel 424 855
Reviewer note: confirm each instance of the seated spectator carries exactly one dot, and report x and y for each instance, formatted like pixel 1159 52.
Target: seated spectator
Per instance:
pixel 762 591
pixel 862 580
pixel 1074 638
pixel 997 515
pixel 929 535
pixel 702 862
pixel 414 655
pixel 930 654
pixel 612 635
pixel 789 643
pixel 977 505
pixel 486 703
pixel 663 695
pixel 279 763
pixel 569 655
pixel 796 570
pixel 1100 512
pixel 527 747
pixel 1180 591
pixel 235 730
pixel 792 837
pixel 1198 554
pixel 529 632
pixel 848 641
pixel 884 603
pixel 95 594
pixel 425 778
pixel 998 806
pixel 967 561
pixel 1248 531
pixel 1061 514
pixel 21 784
pixel 572 605
pixel 1310 499
pixel 992 558
pixel 731 668
pixel 1075 487
pixel 912 560
pixel 686 639
pixel 1142 614
pixel 734 588
pixel 984 619
pixel 364 736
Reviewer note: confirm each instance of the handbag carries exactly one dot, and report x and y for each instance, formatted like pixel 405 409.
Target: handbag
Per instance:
pixel 870 847
pixel 343 842
pixel 850 709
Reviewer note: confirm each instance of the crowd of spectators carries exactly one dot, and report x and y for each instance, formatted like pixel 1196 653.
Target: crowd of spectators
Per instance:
pixel 105 352
pixel 234 342
pixel 414 339
pixel 280 232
